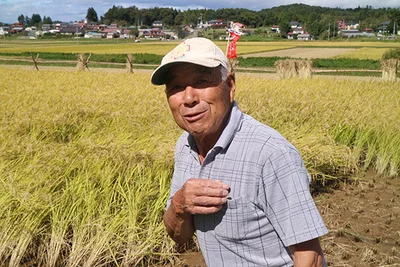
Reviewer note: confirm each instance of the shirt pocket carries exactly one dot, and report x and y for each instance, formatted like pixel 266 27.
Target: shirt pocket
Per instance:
pixel 232 221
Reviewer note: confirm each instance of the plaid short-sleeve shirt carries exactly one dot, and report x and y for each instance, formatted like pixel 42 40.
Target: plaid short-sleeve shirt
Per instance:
pixel 269 206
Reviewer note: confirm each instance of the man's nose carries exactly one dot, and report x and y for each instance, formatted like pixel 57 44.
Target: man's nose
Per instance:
pixel 190 95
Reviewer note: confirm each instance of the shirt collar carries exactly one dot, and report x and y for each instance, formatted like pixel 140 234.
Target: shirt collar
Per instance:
pixel 229 131
pixel 231 127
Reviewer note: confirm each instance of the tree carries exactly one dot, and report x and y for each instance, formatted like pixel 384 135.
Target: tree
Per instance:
pixel 179 19
pixel 134 32
pixel 284 24
pixel 27 20
pixel 92 15
pixel 35 20
pixel 250 18
pixel 21 19
pixel 393 26
pixel 47 20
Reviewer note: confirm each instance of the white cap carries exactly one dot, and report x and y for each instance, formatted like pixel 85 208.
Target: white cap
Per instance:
pixel 199 51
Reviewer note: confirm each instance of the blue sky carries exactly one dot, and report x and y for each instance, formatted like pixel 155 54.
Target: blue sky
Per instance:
pixel 76 9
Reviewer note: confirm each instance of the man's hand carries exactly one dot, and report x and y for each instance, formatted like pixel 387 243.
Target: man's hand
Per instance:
pixel 201 196
pixel 197 196
pixel 308 254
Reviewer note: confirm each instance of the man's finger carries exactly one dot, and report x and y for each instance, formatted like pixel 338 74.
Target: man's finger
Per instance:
pixel 205 210
pixel 207 201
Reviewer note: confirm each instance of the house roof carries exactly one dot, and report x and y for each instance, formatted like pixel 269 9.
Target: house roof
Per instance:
pixel 70 29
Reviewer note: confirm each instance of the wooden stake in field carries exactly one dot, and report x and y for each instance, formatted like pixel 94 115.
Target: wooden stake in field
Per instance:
pixel 35 61
pixel 389 69
pixel 83 62
pixel 129 63
pixel 233 63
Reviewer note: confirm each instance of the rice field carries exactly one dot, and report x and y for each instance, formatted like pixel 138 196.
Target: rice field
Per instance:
pixel 86 157
pixel 364 53
pixel 161 48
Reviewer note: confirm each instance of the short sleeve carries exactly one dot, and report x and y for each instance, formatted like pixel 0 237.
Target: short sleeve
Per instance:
pixel 286 199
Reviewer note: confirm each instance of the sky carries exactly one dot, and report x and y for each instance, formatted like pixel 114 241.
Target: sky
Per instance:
pixel 75 10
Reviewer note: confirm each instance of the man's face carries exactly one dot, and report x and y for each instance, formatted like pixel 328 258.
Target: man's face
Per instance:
pixel 199 100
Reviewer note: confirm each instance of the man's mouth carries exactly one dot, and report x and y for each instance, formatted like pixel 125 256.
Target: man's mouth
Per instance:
pixel 192 117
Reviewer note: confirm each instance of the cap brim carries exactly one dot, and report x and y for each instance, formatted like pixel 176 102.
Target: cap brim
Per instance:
pixel 159 76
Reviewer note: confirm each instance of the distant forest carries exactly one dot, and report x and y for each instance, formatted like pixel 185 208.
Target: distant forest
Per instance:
pixel 314 19
pixel 310 16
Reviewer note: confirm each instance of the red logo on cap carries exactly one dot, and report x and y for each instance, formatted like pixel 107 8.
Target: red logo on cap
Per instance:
pixel 180 51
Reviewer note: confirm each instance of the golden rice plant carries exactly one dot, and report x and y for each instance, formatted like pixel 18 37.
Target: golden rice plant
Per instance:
pixel 359 119
pixel 86 158
pixel 84 172
pixel 365 53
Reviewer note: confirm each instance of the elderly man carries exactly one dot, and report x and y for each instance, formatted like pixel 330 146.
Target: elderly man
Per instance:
pixel 237 183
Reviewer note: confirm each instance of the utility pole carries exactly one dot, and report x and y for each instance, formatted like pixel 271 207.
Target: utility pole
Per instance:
pixel 329 30
pixel 76 34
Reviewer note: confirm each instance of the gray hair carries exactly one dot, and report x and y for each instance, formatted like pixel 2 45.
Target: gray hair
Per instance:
pixel 224 72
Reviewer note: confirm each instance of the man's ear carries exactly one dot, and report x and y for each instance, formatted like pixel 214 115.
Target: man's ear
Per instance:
pixel 230 82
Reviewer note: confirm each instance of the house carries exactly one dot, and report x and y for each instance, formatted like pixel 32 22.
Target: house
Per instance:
pixel 383 27
pixel 155 33
pixel 71 30
pixel 16 27
pixel 46 27
pixel 275 28
pixel 114 34
pixel 217 23
pixel 350 33
pixel 4 30
pixel 294 24
pixel 94 35
pixel 295 32
pixel 352 25
pixel 110 31
pixel 298 30
pixel 157 24
pixel 355 33
pixel 98 27
pixel 304 37
pixel 343 25
pixel 203 24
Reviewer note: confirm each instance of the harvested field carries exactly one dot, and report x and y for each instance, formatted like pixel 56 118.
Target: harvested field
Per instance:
pixel 304 53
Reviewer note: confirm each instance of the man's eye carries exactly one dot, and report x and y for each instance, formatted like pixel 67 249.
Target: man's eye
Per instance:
pixel 202 82
pixel 174 88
